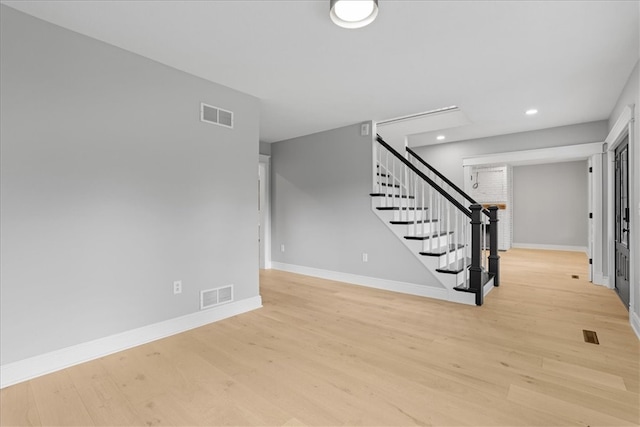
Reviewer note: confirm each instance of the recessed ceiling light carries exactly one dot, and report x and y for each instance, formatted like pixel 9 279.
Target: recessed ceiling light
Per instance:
pixel 531 112
pixel 353 13
pixel 440 137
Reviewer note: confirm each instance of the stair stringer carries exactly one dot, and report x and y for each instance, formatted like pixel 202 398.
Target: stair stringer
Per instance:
pixel 446 280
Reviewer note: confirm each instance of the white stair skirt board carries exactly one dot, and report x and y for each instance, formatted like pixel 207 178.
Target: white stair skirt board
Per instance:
pixel 26 369
pixel 373 282
pixel 551 247
pixel 430 263
pixel 635 323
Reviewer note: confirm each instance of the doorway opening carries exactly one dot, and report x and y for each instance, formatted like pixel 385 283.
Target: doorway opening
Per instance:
pixel 264 214
pixel 622 219
pixel 622 246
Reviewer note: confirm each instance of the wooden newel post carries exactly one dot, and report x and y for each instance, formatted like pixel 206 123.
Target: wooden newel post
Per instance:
pixel 475 271
pixel 494 258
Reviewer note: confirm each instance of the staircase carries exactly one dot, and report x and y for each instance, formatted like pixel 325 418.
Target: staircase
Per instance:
pixel 440 224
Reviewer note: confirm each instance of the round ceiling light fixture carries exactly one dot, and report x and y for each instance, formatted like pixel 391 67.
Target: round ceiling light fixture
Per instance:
pixel 531 112
pixel 353 13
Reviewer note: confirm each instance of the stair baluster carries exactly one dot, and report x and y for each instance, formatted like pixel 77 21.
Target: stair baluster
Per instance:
pixel 437 218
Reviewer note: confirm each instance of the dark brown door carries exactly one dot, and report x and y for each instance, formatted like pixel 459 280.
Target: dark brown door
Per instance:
pixel 622 221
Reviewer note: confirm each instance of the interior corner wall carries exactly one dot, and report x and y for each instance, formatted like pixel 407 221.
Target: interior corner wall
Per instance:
pixel 321 209
pixel 112 188
pixel 265 148
pixel 447 158
pixel 550 203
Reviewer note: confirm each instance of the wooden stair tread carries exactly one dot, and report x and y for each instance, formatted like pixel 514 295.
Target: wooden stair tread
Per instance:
pixel 464 287
pixel 409 222
pixel 442 250
pixel 398 208
pixel 455 267
pixel 404 196
pixel 428 236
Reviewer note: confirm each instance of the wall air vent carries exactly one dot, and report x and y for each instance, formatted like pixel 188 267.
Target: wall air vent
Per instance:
pixel 213 297
pixel 216 116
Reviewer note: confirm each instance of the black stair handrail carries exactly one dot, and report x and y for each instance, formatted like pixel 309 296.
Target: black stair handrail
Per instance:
pixel 476 271
pixel 445 179
pixel 439 189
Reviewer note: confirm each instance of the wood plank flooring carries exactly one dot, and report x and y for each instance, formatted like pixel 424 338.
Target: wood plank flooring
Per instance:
pixel 327 353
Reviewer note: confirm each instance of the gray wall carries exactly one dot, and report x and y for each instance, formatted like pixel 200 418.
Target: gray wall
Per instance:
pixel 322 209
pixel 112 189
pixel 448 157
pixel 631 95
pixel 265 148
pixel 550 204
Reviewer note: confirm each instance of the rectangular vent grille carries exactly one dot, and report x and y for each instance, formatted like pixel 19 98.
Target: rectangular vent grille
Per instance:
pixel 212 297
pixel 590 337
pixel 216 116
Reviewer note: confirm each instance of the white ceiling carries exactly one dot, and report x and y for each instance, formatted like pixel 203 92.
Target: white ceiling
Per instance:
pixel 494 60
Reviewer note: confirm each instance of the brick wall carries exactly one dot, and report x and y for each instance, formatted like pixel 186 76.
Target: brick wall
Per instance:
pixel 494 184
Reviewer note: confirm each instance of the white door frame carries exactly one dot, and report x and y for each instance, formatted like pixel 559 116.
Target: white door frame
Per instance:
pixel 590 223
pixel 565 153
pixel 622 128
pixel 265 241
pixel 596 199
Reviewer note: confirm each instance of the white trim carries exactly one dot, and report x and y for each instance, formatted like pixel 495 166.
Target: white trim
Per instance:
pixel 266 160
pixel 552 247
pixel 635 323
pixel 610 255
pixel 543 155
pixel 371 282
pixel 26 369
pixel 488 287
pixel 622 127
pixel 565 153
pixel 218 110
pixel 596 208
pixel 590 207
pixel 600 279
pixel 617 132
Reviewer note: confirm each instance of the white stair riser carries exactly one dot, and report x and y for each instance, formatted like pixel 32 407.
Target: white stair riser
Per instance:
pixel 417 246
pixel 439 209
pixel 410 214
pixel 404 215
pixel 423 245
pixel 420 229
pixel 452 280
pixel 390 190
pixel 393 201
pixel 443 261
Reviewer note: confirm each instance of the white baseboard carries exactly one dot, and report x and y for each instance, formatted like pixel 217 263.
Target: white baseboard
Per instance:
pixel 551 247
pixel 602 280
pixel 26 369
pixel 634 319
pixel 371 282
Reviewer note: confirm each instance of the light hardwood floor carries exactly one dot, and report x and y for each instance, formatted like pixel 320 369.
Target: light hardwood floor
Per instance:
pixel 326 353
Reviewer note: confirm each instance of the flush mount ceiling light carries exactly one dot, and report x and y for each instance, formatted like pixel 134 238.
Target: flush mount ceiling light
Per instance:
pixel 531 112
pixel 440 137
pixel 353 13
